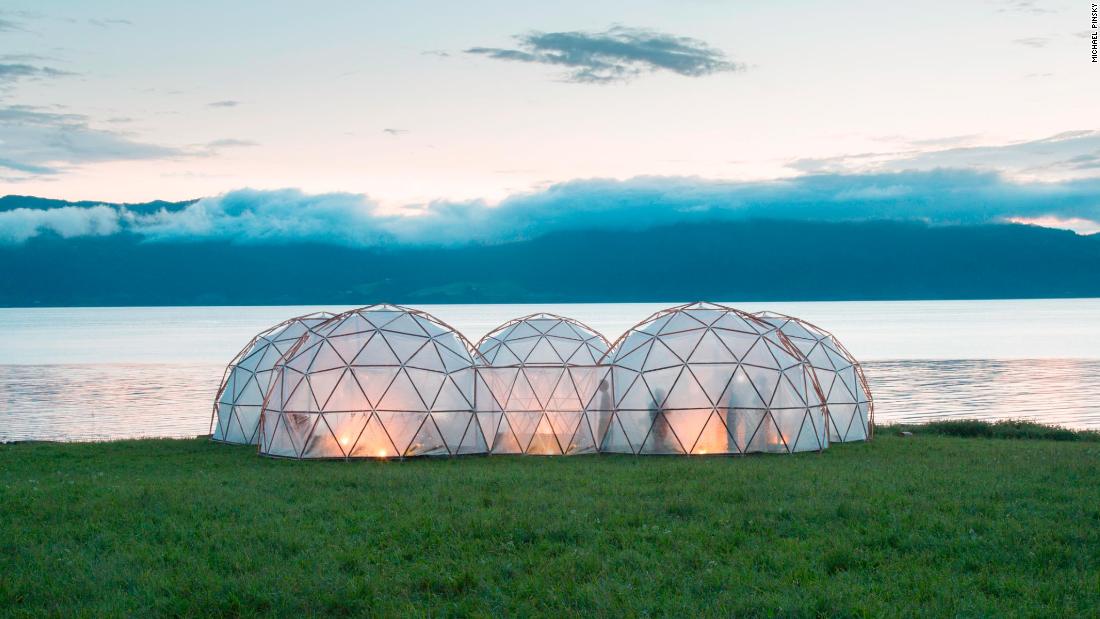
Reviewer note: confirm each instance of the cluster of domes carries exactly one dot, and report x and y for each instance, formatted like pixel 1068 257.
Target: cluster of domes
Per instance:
pixel 387 381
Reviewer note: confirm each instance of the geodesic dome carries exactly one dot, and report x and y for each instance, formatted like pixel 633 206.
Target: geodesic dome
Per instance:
pixel 247 378
pixel 704 378
pixel 537 375
pixel 851 408
pixel 377 382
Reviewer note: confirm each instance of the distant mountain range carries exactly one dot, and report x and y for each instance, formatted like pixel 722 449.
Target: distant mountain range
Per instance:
pixel 747 260
pixel 11 202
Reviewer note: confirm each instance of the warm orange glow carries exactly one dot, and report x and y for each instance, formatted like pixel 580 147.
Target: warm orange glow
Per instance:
pixel 381 453
pixel 713 439
pixel 343 440
pixel 774 438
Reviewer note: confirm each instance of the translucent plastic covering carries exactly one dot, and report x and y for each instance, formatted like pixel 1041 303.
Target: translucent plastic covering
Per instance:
pixel 709 379
pixel 851 408
pixel 537 376
pixel 377 382
pixel 236 414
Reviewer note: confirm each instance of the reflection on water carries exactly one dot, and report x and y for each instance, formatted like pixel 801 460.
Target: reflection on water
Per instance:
pixel 1054 391
pixel 105 401
pixel 108 401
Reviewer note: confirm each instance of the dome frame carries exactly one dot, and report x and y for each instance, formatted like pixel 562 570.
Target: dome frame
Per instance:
pixel 536 377
pixel 220 432
pixel 861 377
pixel 699 406
pixel 400 418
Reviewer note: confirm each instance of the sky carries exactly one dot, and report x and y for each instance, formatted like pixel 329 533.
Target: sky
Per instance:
pixel 454 111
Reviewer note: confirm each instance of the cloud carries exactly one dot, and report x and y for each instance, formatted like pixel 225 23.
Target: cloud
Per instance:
pixel 50 141
pixel 281 216
pixel 225 103
pixel 7 25
pixel 21 224
pixel 229 143
pixel 944 142
pixel 24 58
pixel 1035 42
pixel 37 142
pixel 1051 158
pixel 11 72
pixel 107 23
pixel 395 131
pixel 616 54
pixel 28 168
pixel 215 147
pixel 1029 7
pixel 99 22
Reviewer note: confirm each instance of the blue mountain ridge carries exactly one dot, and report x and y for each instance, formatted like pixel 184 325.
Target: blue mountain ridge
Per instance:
pixel 746 260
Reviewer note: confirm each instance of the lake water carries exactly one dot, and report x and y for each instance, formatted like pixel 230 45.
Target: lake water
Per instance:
pixel 103 373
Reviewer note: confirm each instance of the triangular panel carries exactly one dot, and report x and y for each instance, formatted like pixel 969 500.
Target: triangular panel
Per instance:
pixel 687 393
pixel 428 442
pixel 324 382
pixel 451 398
pixel 543 352
pixel 711 349
pixel 742 424
pixel 347 428
pixel 401 427
pixel 713 438
pixel 688 424
pixel 683 344
pixel 473 442
pixel 452 426
pixel 506 441
pixel 582 440
pixel 767 438
pixel 543 381
pixel 374 381
pixel 523 425
pixel 426 382
pixel 661 439
pixel 376 352
pixel 405 346
pixel 544 442
pixel 402 396
pixel 614 439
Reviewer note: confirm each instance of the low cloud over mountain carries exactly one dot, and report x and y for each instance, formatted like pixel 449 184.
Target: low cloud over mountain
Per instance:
pixel 354 220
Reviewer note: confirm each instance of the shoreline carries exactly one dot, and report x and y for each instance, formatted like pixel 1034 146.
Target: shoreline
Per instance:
pixel 1010 429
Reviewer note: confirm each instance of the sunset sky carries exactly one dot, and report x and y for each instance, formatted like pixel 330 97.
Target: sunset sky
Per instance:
pixel 414 102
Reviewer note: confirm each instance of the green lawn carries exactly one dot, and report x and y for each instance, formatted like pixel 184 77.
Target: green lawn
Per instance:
pixel 925 525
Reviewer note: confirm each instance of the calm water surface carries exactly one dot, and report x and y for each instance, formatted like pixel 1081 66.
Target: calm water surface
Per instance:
pixel 100 373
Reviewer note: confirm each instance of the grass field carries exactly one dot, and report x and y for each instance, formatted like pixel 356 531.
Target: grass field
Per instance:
pixel 924 525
